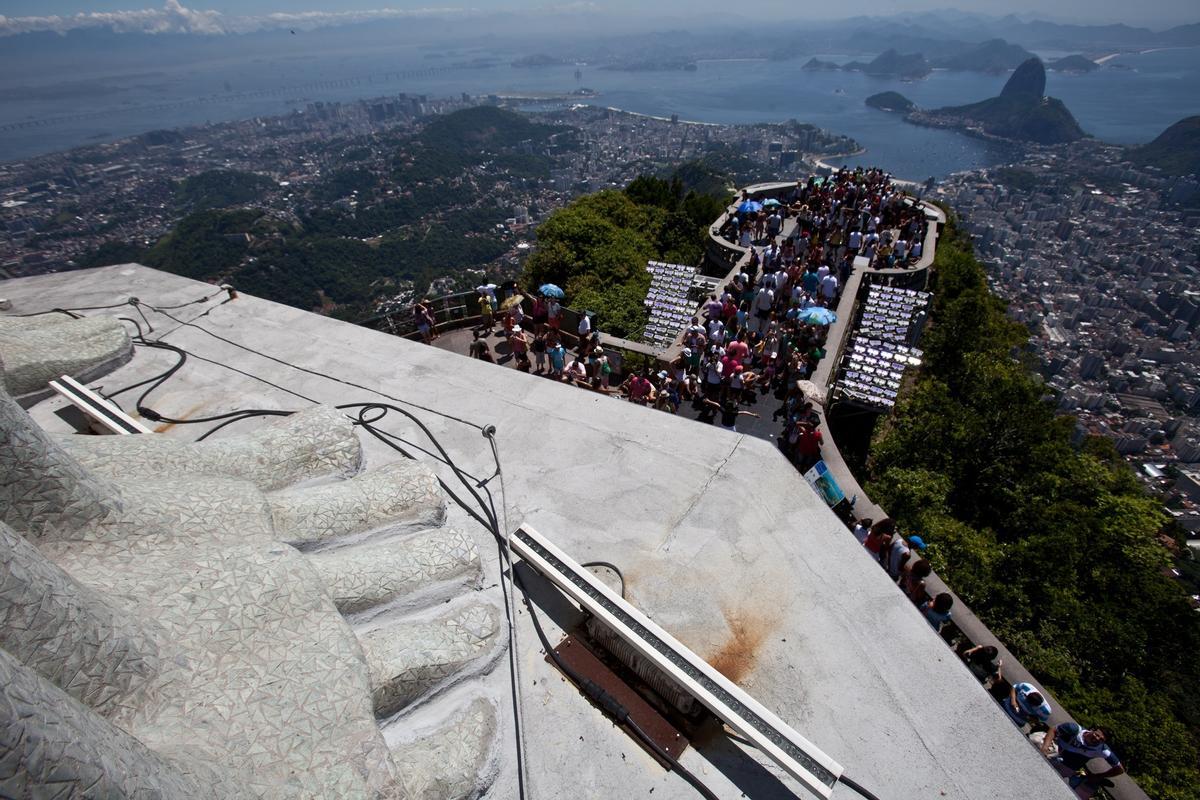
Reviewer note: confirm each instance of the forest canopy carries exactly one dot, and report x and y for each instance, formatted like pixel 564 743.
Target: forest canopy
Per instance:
pixel 597 247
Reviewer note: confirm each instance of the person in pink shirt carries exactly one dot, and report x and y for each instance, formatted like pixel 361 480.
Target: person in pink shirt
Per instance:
pixel 738 350
pixel 638 387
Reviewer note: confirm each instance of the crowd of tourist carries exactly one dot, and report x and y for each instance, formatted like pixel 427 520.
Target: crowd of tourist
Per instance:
pixel 1068 745
pixel 853 212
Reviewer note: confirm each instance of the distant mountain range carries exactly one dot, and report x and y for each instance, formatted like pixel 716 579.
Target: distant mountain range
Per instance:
pixel 994 56
pixel 1021 112
pixel 937 33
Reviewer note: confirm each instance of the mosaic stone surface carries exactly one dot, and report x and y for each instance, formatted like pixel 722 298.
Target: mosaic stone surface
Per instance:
pixel 371 575
pixel 155 611
pixel 317 442
pixel 39 349
pixel 465 741
pixel 407 660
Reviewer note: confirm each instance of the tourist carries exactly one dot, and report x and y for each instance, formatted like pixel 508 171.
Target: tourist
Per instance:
pixel 558 357
pixel 1077 746
pixel 900 552
pixel 584 329
pixel 603 368
pixel 540 315
pixel 984 662
pixel 862 528
pixel 912 579
pixel 1026 705
pixel 479 348
pixel 425 322
pixel 829 290
pixel 487 318
pixel 764 301
pixel 880 537
pixel 576 373
pixel 937 611
pixel 774 224
pixel 554 314
pixel 489 291
pixel 729 413
pixel 538 348
pixel 808 445
pixel 638 388
pixel 519 346
pixel 713 309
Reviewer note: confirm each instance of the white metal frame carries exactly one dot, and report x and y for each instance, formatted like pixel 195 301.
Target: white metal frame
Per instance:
pixel 96 407
pixel 821 785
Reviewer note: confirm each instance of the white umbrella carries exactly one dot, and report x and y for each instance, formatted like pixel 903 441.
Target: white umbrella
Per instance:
pixel 811 392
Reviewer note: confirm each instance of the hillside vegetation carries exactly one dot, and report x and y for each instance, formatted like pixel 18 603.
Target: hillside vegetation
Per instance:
pixel 1054 547
pixel 418 209
pixel 1175 151
pixel 597 247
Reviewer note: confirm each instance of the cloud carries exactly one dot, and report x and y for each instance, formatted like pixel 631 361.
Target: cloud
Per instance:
pixel 174 17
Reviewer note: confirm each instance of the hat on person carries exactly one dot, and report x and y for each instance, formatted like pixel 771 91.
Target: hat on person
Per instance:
pixel 516 328
pixel 599 351
pixel 917 542
pixel 662 374
pixel 687 352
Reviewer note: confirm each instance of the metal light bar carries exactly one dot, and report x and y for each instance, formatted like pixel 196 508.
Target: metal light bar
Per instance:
pixel 96 407
pixel 791 751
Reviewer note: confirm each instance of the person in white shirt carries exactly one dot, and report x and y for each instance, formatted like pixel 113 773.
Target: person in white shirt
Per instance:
pixel 770 253
pixel 764 301
pixel 822 271
pixel 829 289
pixel 585 327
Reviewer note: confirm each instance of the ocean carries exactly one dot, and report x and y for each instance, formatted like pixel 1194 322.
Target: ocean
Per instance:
pixel 1130 100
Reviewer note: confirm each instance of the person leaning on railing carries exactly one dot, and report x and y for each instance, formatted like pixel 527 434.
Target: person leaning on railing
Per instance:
pixel 1076 747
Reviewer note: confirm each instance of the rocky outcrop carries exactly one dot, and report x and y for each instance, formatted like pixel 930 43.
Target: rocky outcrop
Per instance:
pixel 1028 80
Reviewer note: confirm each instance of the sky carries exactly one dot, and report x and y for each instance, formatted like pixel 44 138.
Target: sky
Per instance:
pixel 217 15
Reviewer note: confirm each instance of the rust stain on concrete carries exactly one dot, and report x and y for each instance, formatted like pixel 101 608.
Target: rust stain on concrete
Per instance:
pixel 166 426
pixel 737 657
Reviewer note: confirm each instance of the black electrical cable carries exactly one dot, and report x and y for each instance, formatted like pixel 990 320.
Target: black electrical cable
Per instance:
pixel 312 371
pixel 158 380
pixel 857 787
pixel 131 301
pixel 613 567
pixel 154 416
pixel 71 311
pixel 140 333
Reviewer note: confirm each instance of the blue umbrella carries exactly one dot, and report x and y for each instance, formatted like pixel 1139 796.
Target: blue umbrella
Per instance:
pixel 749 206
pixel 550 290
pixel 816 315
pixel 771 203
